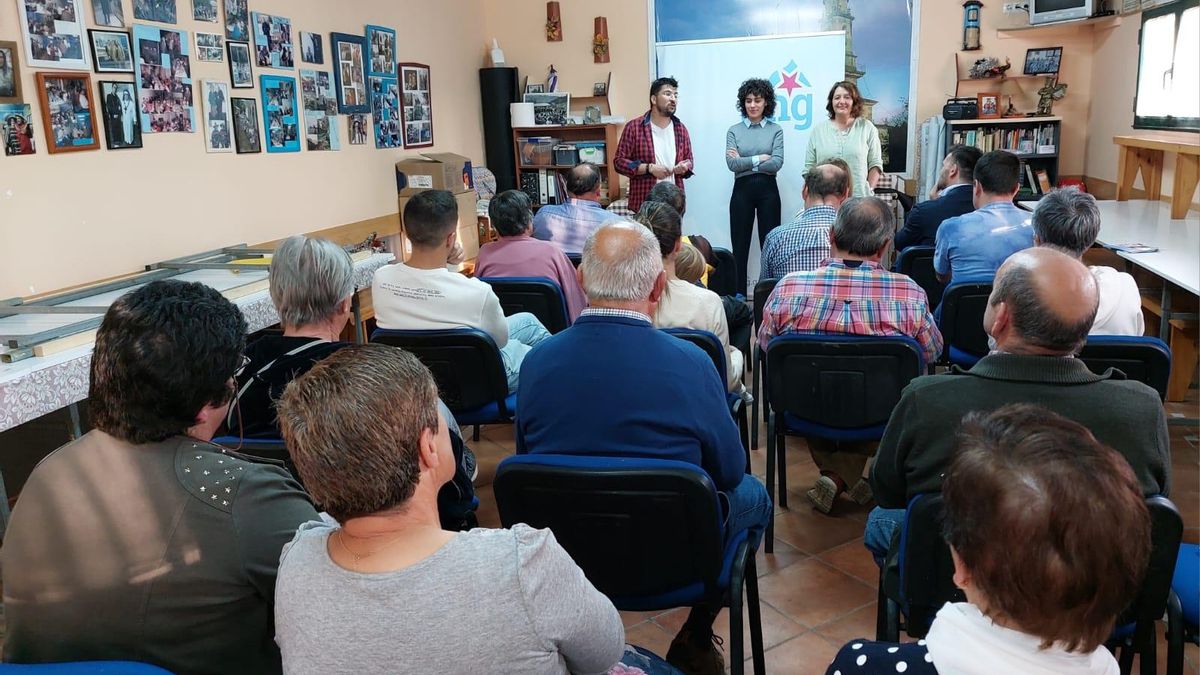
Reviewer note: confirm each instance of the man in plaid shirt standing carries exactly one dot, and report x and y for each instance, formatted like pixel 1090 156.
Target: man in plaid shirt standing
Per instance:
pixel 655 147
pixel 803 244
pixel 850 294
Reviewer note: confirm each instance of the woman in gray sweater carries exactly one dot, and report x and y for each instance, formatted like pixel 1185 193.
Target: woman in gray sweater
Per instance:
pixel 754 153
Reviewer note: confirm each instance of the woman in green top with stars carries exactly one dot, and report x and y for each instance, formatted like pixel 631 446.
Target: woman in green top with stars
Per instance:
pixel 850 136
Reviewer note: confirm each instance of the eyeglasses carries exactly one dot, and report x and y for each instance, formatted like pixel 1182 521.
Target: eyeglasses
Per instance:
pixel 245 361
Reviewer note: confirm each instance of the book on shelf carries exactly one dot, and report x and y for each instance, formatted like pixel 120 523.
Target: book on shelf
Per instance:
pixel 1027 140
pixel 1043 179
pixel 1031 181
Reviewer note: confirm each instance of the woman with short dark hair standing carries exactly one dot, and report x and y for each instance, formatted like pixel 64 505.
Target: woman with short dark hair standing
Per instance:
pixel 754 153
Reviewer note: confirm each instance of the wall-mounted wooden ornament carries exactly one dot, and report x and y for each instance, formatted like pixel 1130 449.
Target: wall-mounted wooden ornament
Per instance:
pixel 553 22
pixel 600 40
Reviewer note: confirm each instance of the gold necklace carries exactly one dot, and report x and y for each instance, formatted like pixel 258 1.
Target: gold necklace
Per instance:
pixel 359 557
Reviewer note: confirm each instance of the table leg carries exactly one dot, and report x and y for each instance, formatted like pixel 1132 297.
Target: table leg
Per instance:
pixel 1127 168
pixel 1151 162
pixel 1187 175
pixel 1164 321
pixel 1183 363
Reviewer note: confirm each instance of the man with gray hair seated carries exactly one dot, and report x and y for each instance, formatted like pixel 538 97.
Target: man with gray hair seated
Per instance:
pixel 803 244
pixel 568 225
pixel 1068 220
pixel 650 394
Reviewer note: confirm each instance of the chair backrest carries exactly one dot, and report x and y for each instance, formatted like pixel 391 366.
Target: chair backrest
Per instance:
pixel 539 296
pixel 637 527
pixel 273 449
pixel 83 668
pixel 706 341
pixel 465 363
pixel 916 263
pixel 840 381
pixel 723 279
pixel 963 306
pixel 762 291
pixel 1143 358
pixel 1166 534
pixel 926 569
pixel 575 258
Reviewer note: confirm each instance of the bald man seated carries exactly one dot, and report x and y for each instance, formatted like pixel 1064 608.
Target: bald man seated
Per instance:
pixel 1042 306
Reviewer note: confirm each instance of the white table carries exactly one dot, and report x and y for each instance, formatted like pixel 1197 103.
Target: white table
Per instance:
pixel 1149 222
pixel 36 386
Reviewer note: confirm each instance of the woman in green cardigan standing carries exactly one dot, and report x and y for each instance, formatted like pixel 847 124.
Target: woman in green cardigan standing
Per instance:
pixel 847 134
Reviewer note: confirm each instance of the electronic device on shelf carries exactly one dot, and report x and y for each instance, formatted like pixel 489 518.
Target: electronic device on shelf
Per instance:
pixel 1052 11
pixel 961 108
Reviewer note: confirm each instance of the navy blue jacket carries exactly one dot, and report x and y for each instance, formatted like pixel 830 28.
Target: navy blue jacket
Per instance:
pixel 618 386
pixel 921 224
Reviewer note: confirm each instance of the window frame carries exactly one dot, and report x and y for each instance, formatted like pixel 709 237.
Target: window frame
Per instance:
pixel 1162 122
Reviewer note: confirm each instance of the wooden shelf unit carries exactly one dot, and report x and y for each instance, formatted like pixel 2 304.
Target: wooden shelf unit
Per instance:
pixel 610 134
pixel 1035 160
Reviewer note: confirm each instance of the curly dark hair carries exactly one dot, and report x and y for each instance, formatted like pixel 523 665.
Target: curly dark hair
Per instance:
pixel 855 108
pixel 756 86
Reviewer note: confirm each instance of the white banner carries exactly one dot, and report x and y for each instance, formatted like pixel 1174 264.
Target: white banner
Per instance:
pixel 802 68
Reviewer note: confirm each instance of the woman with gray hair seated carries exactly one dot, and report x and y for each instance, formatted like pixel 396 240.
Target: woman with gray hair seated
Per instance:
pixel 312 281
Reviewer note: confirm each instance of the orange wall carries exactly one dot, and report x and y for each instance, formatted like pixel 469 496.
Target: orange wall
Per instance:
pixel 71 218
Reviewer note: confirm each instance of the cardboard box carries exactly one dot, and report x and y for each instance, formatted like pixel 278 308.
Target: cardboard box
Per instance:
pixel 434 171
pixel 468 227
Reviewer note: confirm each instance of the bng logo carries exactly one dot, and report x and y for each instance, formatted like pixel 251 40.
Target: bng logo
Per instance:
pixel 792 103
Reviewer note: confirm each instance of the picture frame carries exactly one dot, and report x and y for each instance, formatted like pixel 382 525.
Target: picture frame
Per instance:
pixel 273 46
pixel 320 111
pixel 122 122
pixel 381 51
pixel 311 48
pixel 109 13
pixel 218 127
pixel 160 11
pixel 10 73
pixel 241 68
pixel 385 110
pixel 356 126
pixel 245 125
pixel 112 50
pixel 205 10
pixel 53 33
pixel 16 129
pixel 67 114
pixel 989 105
pixel 550 108
pixel 237 20
pixel 535 88
pixel 281 113
pixel 349 72
pixel 164 79
pixel 210 47
pixel 416 111
pixel 600 89
pixel 1043 61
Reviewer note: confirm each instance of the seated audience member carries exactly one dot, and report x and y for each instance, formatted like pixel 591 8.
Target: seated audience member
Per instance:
pixel 422 294
pixel 683 304
pixel 142 541
pixel 803 244
pixel 312 281
pixel 955 197
pixel 972 246
pixel 1025 479
pixel 1068 220
pixel 1039 314
pixel 517 254
pixel 851 294
pixel 568 225
pixel 385 588
pixel 650 395
pixel 690 265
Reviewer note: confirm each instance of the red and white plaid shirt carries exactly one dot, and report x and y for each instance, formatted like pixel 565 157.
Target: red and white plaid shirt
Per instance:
pixel 637 148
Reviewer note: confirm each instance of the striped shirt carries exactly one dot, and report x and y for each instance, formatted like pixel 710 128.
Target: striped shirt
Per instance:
pixel 568 225
pixel 799 246
pixel 849 297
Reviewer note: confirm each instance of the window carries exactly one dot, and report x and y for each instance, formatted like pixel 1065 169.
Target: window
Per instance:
pixel 1168 88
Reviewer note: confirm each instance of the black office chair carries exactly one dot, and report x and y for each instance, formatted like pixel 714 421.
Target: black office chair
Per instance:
pixel 273 449
pixel 468 369
pixel 712 346
pixel 723 279
pixel 575 258
pixel 539 296
pixel 762 291
pixel 1142 358
pixel 836 387
pixel 961 323
pixel 926 573
pixel 647 533
pixel 916 263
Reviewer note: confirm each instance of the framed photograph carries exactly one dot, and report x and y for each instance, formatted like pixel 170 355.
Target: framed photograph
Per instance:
pixel 10 73
pixel 600 89
pixel 110 13
pixel 164 80
pixel 111 51
pixel 205 10
pixel 237 20
pixel 16 129
pixel 989 105
pixel 535 89
pixel 551 108
pixel 385 106
pixel 162 11
pixel 210 47
pixel 53 34
pixel 311 49
pixel 281 118
pixel 67 112
pixel 381 46
pixel 273 41
pixel 241 74
pixel 218 128
pixel 320 110
pixel 358 124
pixel 417 112
pixel 245 126
pixel 349 77
pixel 122 124
pixel 1044 61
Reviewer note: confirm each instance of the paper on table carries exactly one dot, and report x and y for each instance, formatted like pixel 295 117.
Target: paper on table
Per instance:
pixel 1134 248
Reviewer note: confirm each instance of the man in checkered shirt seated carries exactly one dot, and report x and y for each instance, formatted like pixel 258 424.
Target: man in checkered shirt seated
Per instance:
pixel 803 244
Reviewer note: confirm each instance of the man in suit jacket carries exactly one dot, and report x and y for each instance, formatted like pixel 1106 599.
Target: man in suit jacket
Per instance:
pixel 1040 311
pixel 958 172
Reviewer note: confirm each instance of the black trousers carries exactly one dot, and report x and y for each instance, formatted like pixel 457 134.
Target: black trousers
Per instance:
pixel 756 194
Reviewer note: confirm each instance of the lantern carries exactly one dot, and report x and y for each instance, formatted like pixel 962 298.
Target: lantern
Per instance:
pixel 971 25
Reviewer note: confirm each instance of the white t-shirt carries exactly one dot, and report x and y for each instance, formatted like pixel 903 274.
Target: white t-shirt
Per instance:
pixel 664 147
pixel 408 298
pixel 1120 310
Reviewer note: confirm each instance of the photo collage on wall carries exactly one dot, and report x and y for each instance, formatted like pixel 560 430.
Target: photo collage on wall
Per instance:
pixel 162 11
pixel 385 106
pixel 273 46
pixel 320 110
pixel 349 72
pixel 210 47
pixel 280 114
pixel 164 78
pixel 418 111
pixel 54 33
pixel 68 119
pixel 218 130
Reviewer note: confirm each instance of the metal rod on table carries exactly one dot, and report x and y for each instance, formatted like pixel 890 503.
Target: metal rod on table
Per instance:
pixel 215 266
pixel 54 309
pixel 33 339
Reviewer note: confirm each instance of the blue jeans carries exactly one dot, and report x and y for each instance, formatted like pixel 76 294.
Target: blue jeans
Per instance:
pixel 747 508
pixel 524 333
pixel 881 529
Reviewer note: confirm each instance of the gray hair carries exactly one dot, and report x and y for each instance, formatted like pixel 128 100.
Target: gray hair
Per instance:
pixel 626 275
pixel 1068 220
pixel 1034 320
pixel 826 180
pixel 309 277
pixel 863 226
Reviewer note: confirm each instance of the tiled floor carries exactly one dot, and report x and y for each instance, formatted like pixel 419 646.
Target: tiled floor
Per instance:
pixel 818 589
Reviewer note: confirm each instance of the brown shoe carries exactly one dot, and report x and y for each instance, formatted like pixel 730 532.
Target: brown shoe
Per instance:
pixel 696 652
pixel 861 492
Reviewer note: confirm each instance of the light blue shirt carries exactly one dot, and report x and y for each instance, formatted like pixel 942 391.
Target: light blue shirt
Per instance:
pixel 568 225
pixel 974 245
